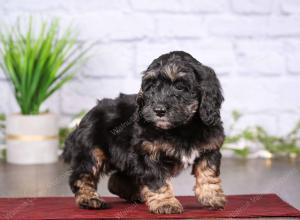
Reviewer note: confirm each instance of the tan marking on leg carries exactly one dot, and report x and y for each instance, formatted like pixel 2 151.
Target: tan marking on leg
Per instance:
pixel 161 201
pixel 208 188
pixel 99 156
pixel 87 196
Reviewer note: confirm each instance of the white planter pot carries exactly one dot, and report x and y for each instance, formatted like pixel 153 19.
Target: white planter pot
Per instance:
pixel 32 139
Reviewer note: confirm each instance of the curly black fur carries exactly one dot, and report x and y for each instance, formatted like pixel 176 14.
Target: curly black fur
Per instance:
pixel 176 112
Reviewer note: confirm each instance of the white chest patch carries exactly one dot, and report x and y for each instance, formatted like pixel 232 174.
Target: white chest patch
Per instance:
pixel 188 160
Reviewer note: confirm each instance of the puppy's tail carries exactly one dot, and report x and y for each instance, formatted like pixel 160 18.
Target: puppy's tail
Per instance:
pixel 68 149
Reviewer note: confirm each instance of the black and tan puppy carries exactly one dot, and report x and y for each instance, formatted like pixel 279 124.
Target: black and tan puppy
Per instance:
pixel 144 140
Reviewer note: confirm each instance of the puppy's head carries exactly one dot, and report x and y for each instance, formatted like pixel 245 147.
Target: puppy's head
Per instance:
pixel 175 88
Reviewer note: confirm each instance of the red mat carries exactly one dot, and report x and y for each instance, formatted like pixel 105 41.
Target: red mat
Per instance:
pixel 267 205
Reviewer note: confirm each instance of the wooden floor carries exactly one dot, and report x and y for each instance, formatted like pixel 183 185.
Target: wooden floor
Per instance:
pixel 281 176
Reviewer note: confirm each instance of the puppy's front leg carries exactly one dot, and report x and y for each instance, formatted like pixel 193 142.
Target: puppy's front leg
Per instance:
pixel 208 188
pixel 162 200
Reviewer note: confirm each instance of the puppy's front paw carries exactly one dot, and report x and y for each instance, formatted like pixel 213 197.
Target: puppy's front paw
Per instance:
pixel 214 202
pixel 90 201
pixel 211 198
pixel 171 206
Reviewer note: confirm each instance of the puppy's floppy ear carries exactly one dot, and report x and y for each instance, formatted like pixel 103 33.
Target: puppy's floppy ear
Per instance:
pixel 140 95
pixel 139 98
pixel 211 96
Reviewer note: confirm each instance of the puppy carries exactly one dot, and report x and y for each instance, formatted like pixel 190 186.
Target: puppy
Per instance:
pixel 146 139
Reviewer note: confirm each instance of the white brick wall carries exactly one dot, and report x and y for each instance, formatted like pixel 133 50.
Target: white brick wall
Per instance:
pixel 254 46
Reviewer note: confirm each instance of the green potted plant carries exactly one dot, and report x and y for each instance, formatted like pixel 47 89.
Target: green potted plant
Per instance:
pixel 37 63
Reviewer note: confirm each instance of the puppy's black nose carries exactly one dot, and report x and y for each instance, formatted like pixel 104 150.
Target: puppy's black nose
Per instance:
pixel 160 110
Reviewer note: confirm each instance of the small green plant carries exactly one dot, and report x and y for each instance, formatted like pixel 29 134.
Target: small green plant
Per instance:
pixel 276 145
pixel 38 64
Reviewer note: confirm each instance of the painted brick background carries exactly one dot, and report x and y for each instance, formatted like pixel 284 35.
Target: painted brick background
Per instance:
pixel 254 46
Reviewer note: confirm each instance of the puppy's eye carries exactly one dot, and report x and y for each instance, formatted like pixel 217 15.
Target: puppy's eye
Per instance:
pixel 180 87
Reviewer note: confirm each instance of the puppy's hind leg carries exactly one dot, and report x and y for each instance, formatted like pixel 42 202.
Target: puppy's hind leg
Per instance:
pixel 86 169
pixel 125 187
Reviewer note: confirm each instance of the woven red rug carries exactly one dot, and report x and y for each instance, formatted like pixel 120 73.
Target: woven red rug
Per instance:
pixel 238 206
